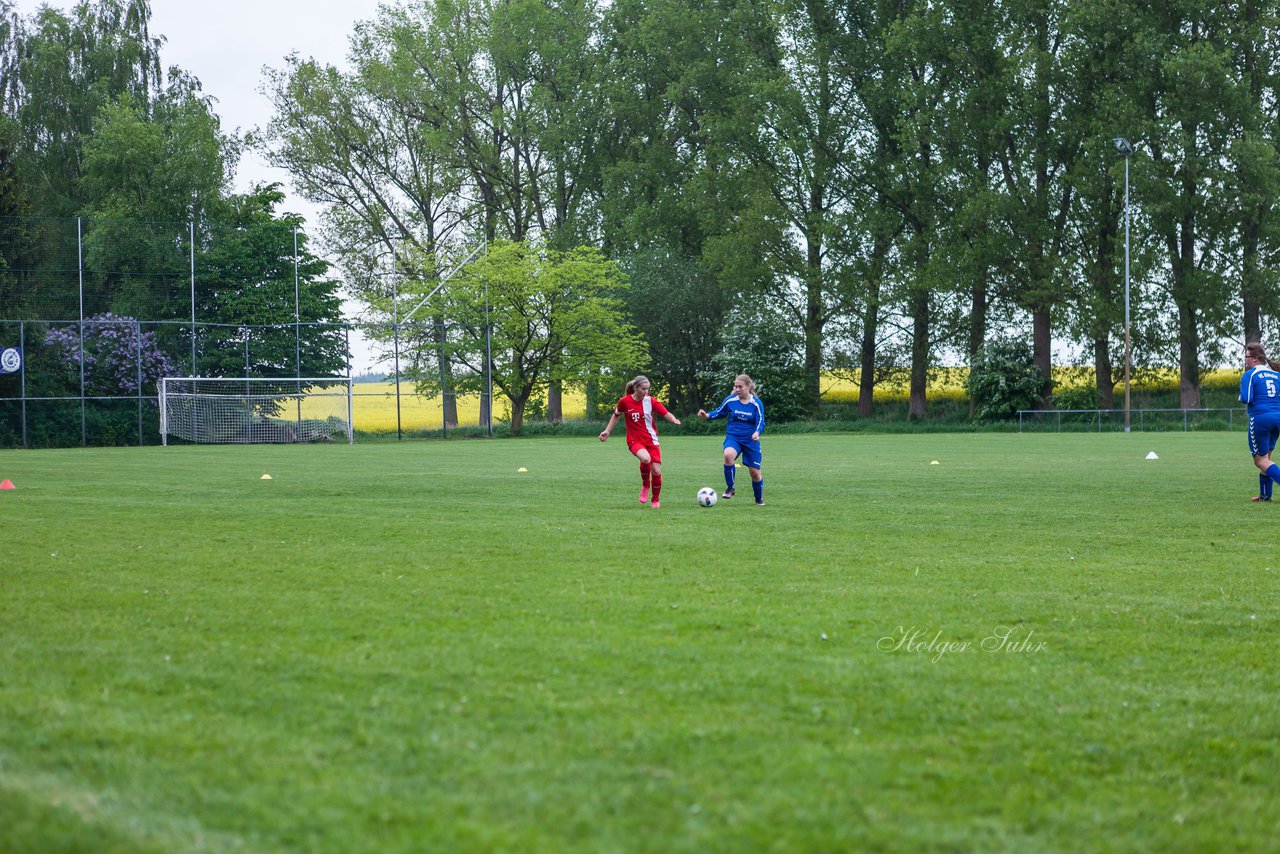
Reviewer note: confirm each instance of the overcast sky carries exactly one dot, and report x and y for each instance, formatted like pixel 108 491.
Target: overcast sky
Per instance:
pixel 227 43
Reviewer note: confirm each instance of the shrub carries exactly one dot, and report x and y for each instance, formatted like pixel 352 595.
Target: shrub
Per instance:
pixel 1076 397
pixel 763 347
pixel 119 358
pixel 1003 380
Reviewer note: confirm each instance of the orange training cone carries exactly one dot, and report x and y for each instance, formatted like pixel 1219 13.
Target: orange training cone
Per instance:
pixel 7 484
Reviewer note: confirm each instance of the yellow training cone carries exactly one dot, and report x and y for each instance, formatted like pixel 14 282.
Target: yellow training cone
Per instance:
pixel 265 477
pixel 933 463
pixel 522 468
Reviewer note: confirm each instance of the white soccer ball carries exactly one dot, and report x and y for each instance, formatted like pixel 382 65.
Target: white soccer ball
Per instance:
pixel 707 497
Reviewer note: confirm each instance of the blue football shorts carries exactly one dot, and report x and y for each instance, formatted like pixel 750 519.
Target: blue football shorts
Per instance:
pixel 1264 430
pixel 748 451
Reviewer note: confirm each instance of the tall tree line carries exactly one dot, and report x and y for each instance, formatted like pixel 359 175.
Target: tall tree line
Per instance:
pixel 892 180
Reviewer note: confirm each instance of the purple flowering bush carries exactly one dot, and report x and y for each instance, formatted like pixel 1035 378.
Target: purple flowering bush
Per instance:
pixel 114 350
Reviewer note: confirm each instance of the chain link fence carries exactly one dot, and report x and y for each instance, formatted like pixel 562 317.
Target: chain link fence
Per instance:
pixel 1145 420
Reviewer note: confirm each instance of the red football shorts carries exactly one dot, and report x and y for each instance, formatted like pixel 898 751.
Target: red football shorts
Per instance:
pixel 655 455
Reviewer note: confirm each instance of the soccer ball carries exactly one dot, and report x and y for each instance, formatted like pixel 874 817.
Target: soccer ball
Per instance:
pixel 707 497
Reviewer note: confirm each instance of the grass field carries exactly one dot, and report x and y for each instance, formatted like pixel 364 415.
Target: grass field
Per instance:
pixel 1042 643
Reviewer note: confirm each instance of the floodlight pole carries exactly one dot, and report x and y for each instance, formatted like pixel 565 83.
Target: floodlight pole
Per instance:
pixel 297 312
pixel 488 359
pixel 1126 293
pixel 1126 150
pixel 395 336
pixel 488 344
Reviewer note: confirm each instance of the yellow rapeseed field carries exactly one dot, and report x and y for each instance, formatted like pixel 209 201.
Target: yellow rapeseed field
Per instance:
pixel 949 382
pixel 944 382
pixel 374 404
pixel 374 408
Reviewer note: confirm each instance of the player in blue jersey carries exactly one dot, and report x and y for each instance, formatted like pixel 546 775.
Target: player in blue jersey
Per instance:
pixel 1260 390
pixel 742 434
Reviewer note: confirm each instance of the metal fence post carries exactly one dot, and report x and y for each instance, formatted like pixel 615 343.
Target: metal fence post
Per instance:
pixel 84 425
pixel 444 384
pixel 137 342
pixel 351 387
pixel 192 231
pixel 22 379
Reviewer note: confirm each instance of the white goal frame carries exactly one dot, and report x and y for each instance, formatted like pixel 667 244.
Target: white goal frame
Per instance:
pixel 254 410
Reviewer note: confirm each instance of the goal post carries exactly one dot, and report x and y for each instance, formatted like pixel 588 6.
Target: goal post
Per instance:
pixel 254 410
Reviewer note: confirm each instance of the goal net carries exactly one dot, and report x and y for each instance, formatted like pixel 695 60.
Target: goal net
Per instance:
pixel 251 410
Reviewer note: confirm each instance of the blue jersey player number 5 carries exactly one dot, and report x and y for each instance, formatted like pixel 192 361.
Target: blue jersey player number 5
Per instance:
pixel 1260 392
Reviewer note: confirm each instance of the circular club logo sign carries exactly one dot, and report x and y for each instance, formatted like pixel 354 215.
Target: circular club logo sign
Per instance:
pixel 10 360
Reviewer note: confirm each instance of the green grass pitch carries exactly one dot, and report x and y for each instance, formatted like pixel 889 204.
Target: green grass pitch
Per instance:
pixel 1041 643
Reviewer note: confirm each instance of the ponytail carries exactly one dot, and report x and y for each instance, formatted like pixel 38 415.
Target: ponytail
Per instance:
pixel 1254 349
pixel 639 380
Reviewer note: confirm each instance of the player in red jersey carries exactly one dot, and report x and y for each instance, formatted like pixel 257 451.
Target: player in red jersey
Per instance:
pixel 638 410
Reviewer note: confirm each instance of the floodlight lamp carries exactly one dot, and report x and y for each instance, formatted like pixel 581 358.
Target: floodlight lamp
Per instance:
pixel 1123 146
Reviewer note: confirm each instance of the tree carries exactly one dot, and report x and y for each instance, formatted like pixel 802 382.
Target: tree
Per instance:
pixel 659 178
pixel 12 206
pixel 150 170
pixel 1101 104
pixel 247 277
pixel 801 123
pixel 974 69
pixel 681 312
pixel 60 70
pixel 57 72
pixel 675 206
pixel 1255 159
pixel 553 315
pixel 913 91
pixel 876 221
pixel 1037 147
pixel 1194 103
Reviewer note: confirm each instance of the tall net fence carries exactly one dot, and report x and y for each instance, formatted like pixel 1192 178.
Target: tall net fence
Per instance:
pixel 93 313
